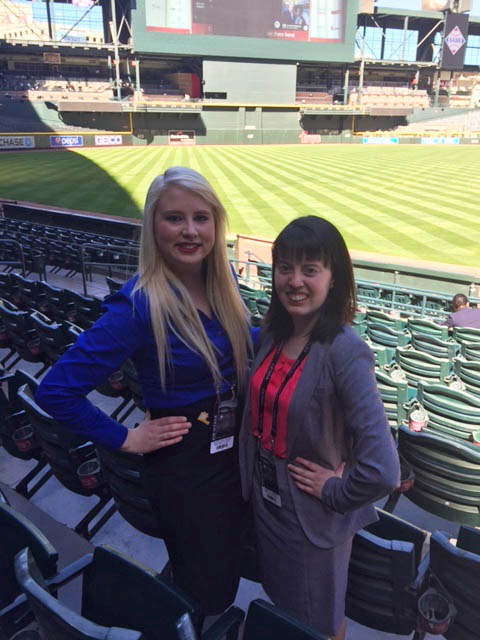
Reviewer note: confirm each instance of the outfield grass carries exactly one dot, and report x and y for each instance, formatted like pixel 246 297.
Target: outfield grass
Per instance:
pixel 407 201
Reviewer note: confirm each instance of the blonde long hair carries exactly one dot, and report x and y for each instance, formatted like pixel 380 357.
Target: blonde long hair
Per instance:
pixel 171 306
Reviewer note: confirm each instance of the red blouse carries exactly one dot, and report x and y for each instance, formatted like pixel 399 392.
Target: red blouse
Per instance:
pixel 280 371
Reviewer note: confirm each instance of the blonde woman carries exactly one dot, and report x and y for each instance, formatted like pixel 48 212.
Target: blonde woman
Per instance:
pixel 182 322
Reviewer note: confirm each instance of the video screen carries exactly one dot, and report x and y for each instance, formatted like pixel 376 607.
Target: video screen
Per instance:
pixel 303 20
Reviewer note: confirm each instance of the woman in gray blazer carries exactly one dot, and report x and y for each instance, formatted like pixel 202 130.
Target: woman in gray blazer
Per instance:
pixel 315 448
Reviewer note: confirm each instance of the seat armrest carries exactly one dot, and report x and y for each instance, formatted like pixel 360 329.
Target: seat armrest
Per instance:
pixel 70 572
pixel 469 539
pixel 226 626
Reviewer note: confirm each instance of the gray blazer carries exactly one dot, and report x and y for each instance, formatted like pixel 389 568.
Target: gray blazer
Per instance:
pixel 335 414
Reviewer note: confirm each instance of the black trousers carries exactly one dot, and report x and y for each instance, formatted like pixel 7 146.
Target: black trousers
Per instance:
pixel 197 498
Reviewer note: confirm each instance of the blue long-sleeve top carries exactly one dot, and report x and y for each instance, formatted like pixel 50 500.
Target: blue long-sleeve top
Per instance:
pixel 125 331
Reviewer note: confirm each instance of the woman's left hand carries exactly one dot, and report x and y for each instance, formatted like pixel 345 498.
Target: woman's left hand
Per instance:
pixel 311 477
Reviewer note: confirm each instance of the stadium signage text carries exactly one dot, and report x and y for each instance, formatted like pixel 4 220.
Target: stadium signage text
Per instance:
pixel 108 140
pixel 455 40
pixel 181 138
pixel 440 141
pixel 66 141
pixel 17 142
pixel 310 138
pixel 375 140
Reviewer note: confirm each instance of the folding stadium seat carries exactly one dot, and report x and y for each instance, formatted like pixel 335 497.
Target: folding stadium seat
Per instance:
pixel 421 325
pixel 119 598
pixel 393 388
pixel 469 373
pixel 419 365
pixel 388 337
pixel 123 474
pixel 384 567
pixel 17 435
pixel 466 334
pixel 54 338
pixel 457 568
pixel 382 354
pixel 23 337
pixel 437 347
pixel 450 411
pixel 54 302
pixel 368 294
pixel 85 310
pixel 447 474
pixel 68 455
pixel 380 317
pixel 25 292
pixel 470 350
pixel 17 532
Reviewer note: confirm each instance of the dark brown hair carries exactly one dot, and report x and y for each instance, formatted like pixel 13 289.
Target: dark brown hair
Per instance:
pixel 314 238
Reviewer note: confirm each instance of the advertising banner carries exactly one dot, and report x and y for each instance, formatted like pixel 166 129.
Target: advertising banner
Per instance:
pixel 440 140
pixel 181 138
pixel 17 142
pixel 455 35
pixel 310 138
pixel 66 141
pixel 107 141
pixel 378 140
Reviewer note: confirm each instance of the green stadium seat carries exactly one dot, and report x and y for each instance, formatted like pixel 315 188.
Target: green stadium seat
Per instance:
pixel 458 570
pixel 419 365
pixel 447 474
pixel 466 334
pixel 421 325
pixel 393 388
pixel 450 411
pixel 382 354
pixel 470 350
pixel 380 317
pixel 368 293
pixel 388 337
pixel 469 373
pixel 383 567
pixel 437 347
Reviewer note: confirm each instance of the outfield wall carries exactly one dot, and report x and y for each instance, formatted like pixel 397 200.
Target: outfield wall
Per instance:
pixel 27 125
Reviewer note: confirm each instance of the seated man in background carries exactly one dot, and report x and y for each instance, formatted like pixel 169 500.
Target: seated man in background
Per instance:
pixel 463 315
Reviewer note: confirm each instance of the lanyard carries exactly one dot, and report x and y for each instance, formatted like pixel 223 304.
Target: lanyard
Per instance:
pixel 264 385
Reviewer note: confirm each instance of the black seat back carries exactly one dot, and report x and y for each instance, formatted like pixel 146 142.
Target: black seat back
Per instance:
pixel 264 621
pixel 459 572
pixel 56 621
pixel 17 532
pixel 118 590
pixel 59 445
pixel 123 473
pixel 384 562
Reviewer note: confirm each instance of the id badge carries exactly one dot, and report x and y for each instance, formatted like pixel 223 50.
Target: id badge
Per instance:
pixel 268 476
pixel 224 425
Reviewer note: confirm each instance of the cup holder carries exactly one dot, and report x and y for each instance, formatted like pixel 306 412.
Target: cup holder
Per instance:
pixel 435 612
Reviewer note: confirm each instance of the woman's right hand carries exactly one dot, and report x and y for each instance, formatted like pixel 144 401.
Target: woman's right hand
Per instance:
pixel 151 435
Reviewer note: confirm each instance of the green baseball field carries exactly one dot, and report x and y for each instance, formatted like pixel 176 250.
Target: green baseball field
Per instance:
pixel 420 203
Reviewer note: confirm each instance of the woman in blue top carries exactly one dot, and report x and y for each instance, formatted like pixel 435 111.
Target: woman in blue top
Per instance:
pixel 182 322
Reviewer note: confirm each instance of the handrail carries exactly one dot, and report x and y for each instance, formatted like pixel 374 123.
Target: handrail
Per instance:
pixel 20 262
pixel 122 251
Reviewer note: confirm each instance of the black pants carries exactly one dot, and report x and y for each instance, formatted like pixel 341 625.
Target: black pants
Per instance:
pixel 201 512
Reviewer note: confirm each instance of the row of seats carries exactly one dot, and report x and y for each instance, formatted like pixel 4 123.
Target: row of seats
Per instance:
pixel 111 485
pixel 392 587
pixel 120 599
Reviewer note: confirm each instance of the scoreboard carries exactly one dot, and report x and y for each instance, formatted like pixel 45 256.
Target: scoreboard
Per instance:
pixel 262 29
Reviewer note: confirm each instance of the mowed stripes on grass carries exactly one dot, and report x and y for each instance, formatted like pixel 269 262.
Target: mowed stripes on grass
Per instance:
pixel 407 201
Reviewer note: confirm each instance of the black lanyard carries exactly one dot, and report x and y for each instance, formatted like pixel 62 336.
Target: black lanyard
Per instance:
pixel 264 385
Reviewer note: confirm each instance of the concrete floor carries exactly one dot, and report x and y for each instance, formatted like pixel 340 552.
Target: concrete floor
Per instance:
pixel 65 507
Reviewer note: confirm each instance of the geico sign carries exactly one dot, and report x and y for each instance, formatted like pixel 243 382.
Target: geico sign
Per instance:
pixel 108 140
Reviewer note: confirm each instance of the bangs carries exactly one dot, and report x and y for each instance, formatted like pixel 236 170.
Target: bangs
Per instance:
pixel 299 242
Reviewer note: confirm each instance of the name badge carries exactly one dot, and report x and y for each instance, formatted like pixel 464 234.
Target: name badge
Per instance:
pixel 224 425
pixel 268 477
